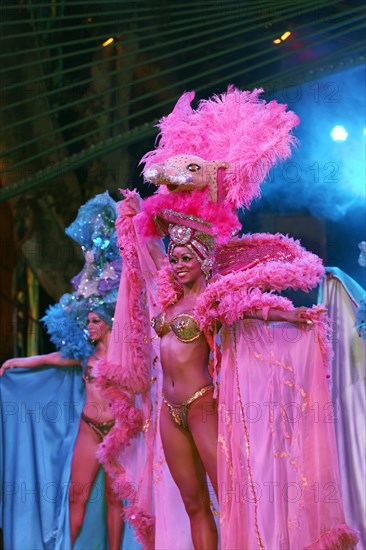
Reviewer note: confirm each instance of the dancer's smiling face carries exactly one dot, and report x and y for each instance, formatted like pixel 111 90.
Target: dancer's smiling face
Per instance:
pixel 186 267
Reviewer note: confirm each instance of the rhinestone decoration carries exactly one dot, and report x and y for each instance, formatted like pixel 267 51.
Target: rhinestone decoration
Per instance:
pixel 180 234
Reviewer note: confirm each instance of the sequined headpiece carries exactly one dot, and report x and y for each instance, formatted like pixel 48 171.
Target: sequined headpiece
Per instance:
pixel 200 244
pixel 96 286
pixel 190 231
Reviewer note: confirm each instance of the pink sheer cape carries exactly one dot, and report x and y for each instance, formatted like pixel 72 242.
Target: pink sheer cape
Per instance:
pixel 277 461
pixel 277 457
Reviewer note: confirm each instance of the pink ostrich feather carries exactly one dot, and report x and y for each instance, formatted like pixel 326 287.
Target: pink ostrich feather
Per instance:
pixel 119 437
pixel 223 221
pixel 303 272
pixel 341 537
pixel 138 379
pixel 129 423
pixel 144 525
pixel 231 295
pixel 169 290
pixel 120 383
pixel 236 127
pixel 113 376
pixel 232 305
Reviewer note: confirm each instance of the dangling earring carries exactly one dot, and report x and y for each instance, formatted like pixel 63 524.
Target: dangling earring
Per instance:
pixel 208 275
pixel 206 267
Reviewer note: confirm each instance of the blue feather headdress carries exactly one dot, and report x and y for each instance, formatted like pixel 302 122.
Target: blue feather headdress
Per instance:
pixel 96 286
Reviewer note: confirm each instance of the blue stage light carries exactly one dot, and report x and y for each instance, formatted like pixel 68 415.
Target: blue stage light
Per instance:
pixel 339 133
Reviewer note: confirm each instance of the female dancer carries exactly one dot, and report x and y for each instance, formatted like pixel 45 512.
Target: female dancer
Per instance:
pixel 263 448
pixel 95 422
pixel 94 298
pixel 188 416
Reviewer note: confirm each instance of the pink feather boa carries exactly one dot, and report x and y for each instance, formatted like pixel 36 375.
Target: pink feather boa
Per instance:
pixel 338 538
pixel 138 380
pixel 169 290
pixel 227 298
pixel 119 385
pixel 223 219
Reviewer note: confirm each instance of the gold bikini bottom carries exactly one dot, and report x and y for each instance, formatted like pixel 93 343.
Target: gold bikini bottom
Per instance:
pixel 100 428
pixel 179 412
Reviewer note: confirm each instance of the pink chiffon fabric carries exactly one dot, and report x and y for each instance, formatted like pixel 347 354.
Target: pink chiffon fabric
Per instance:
pixel 277 459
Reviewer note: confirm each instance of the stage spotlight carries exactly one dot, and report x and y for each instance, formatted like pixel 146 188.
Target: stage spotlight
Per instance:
pixel 285 35
pixel 339 133
pixel 108 42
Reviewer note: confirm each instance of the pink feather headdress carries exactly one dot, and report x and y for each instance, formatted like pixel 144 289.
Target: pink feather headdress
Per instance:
pixel 223 221
pixel 237 128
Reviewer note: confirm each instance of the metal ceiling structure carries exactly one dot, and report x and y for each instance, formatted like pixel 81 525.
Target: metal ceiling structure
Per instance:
pixel 81 79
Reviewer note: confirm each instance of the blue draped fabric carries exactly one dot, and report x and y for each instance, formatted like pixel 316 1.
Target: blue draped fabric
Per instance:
pixel 342 294
pixel 40 414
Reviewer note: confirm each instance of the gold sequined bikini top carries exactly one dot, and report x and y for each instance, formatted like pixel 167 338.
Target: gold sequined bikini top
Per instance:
pixel 184 326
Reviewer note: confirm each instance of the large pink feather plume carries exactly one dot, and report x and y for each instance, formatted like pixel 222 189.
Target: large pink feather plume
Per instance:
pixel 238 128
